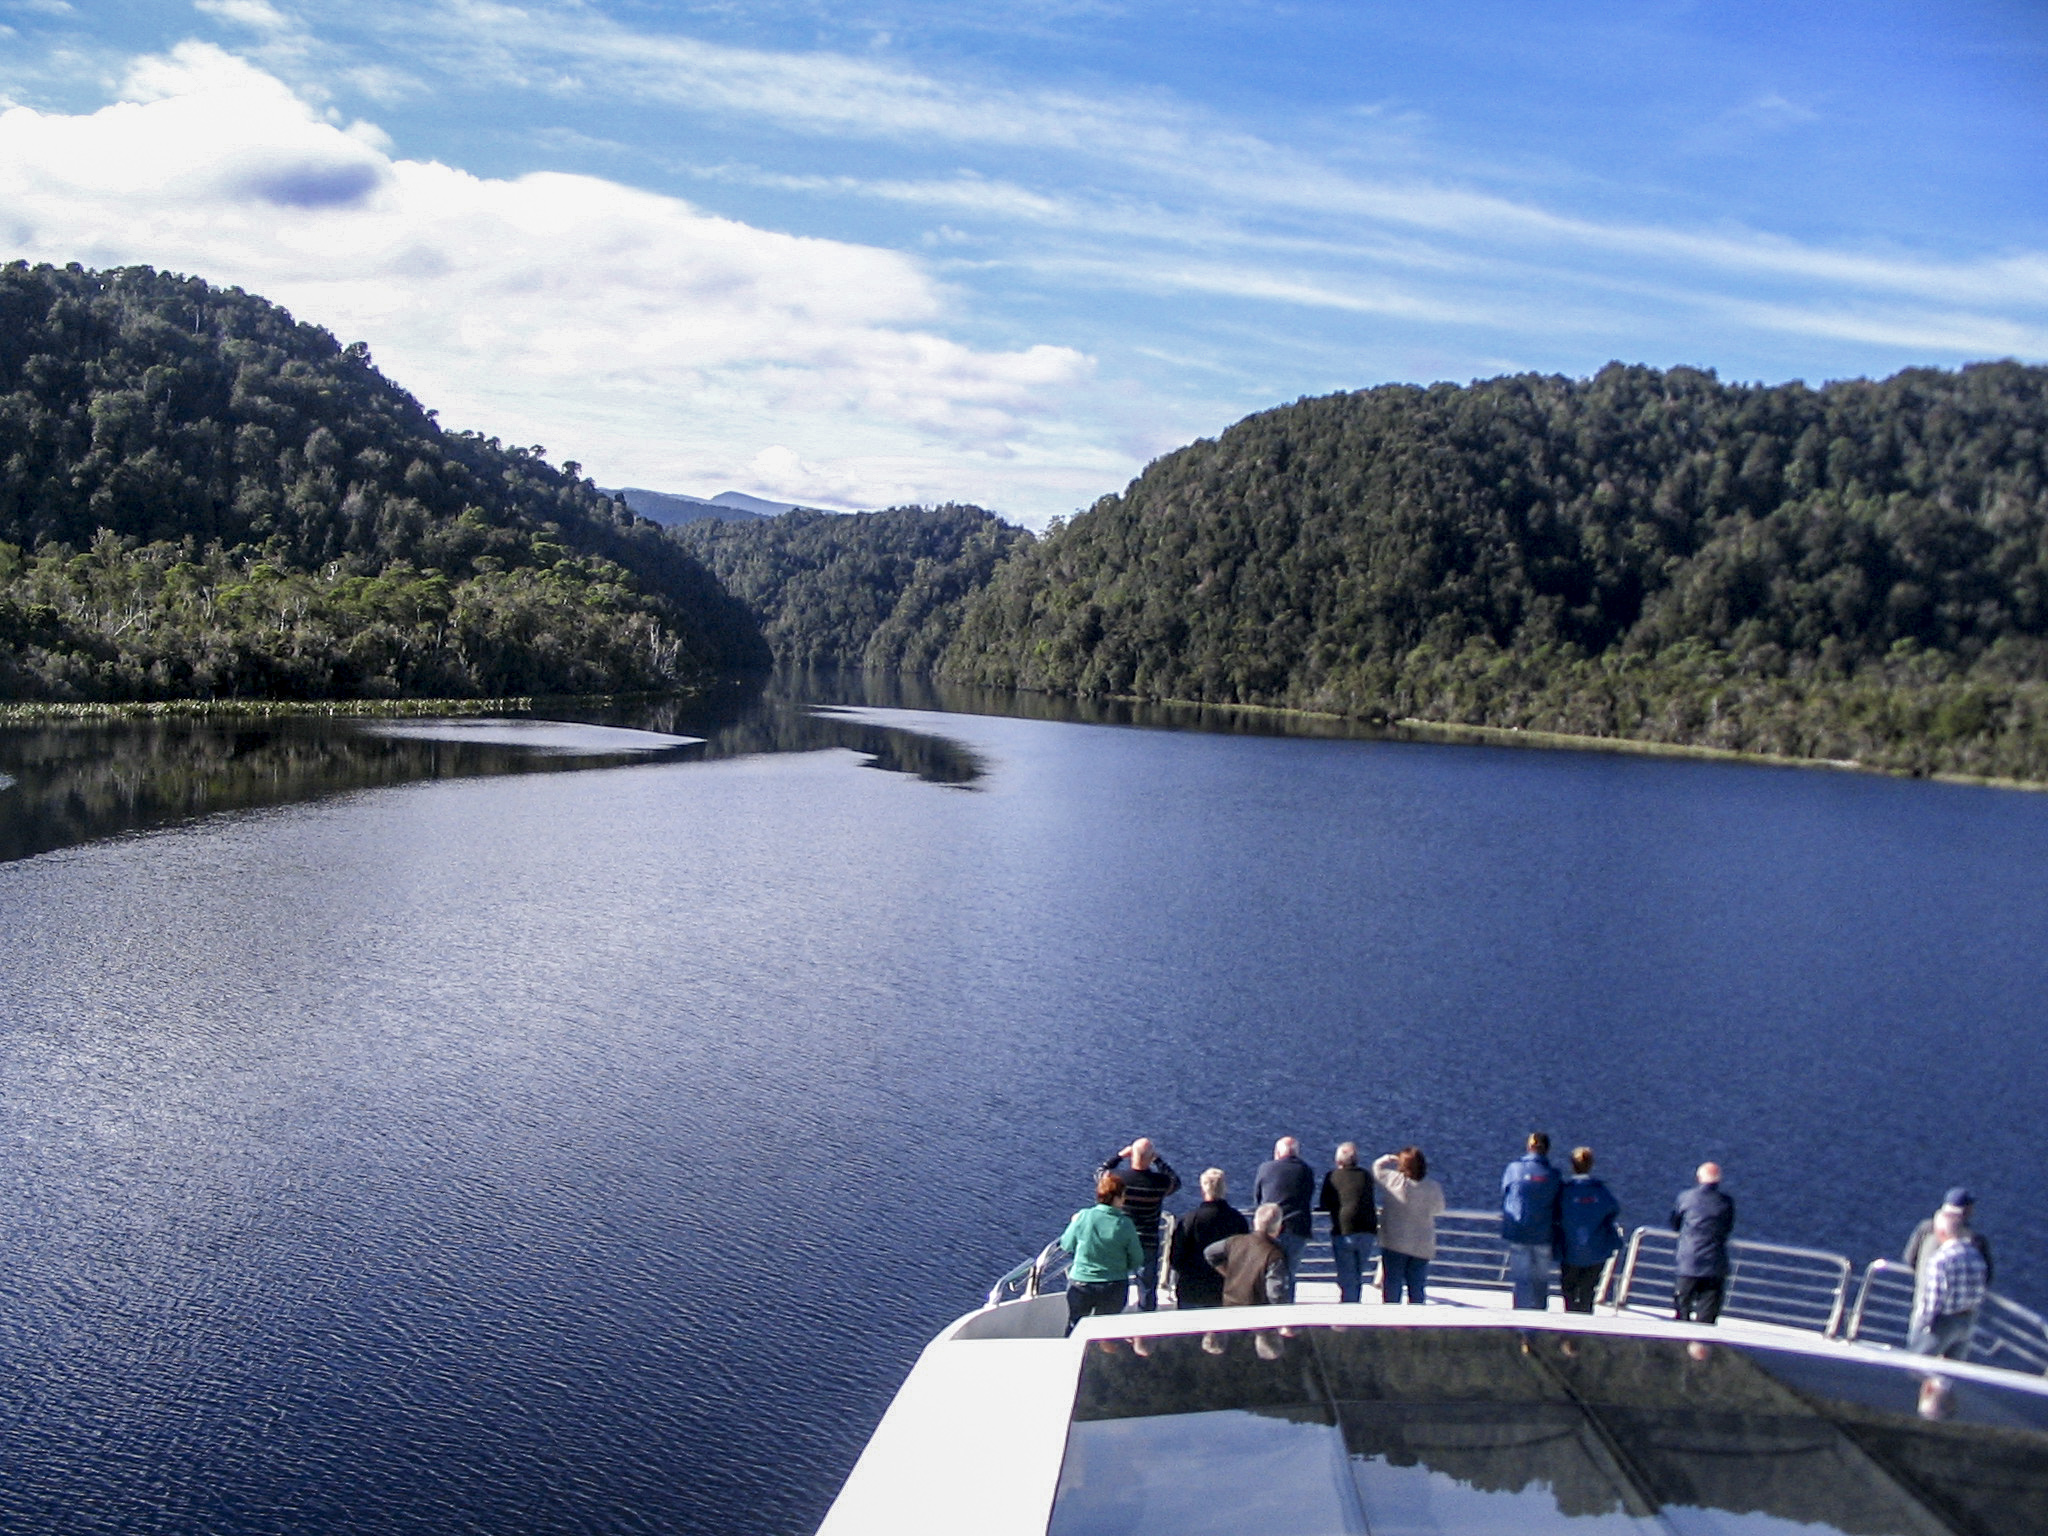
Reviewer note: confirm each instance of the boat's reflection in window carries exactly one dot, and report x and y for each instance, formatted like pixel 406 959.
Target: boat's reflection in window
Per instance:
pixel 1520 1432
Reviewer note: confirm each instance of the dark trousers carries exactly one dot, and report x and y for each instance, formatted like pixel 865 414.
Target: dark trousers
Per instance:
pixel 1148 1277
pixel 1095 1298
pixel 1699 1298
pixel 1580 1283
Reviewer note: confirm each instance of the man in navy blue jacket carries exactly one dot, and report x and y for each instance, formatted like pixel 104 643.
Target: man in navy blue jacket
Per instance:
pixel 1702 1218
pixel 1288 1182
pixel 1529 1222
pixel 1590 1217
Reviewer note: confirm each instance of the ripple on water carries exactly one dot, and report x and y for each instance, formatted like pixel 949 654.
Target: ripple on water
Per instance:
pixel 594 1152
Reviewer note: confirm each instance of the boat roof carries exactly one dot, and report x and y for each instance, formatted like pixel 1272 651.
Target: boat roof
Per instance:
pixel 1459 1417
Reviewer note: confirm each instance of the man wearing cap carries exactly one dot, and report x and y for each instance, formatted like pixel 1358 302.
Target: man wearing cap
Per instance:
pixel 1945 1307
pixel 1920 1246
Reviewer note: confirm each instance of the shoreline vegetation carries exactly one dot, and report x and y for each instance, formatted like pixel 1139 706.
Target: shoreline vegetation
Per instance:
pixel 208 507
pixel 270 709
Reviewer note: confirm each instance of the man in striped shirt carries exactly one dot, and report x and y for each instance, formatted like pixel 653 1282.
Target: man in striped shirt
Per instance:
pixel 1948 1305
pixel 1147 1182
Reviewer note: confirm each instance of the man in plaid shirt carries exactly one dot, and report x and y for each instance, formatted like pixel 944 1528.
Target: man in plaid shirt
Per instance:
pixel 1953 1293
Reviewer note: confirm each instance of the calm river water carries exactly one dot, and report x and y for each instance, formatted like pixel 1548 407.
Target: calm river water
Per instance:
pixel 484 1150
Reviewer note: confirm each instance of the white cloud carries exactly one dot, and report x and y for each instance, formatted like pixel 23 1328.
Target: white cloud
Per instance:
pixel 1238 179
pixel 256 15
pixel 653 342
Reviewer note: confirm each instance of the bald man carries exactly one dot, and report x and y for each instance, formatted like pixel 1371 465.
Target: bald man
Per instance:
pixel 1703 1217
pixel 1288 1182
pixel 1148 1180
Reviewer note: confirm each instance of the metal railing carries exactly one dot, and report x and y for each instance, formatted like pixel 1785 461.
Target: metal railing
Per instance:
pixel 1805 1288
pixel 2007 1334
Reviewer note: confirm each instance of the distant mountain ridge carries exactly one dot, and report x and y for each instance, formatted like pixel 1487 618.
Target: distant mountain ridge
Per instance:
pixel 672 509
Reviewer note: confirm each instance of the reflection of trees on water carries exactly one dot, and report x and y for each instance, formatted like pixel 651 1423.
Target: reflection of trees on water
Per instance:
pixel 82 780
pixel 79 780
pixel 1601 1426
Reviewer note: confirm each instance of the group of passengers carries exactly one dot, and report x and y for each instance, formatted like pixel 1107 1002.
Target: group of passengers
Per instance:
pixel 1551 1224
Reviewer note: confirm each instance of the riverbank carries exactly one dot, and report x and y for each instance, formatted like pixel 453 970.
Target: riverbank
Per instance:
pixel 1412 728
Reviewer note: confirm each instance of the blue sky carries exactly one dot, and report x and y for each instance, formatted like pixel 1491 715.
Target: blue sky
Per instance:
pixel 855 254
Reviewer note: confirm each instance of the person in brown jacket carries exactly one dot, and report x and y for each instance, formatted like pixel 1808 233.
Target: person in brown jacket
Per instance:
pixel 1253 1265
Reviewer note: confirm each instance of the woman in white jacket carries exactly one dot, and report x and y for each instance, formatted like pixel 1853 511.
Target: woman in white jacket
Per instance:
pixel 1408 1214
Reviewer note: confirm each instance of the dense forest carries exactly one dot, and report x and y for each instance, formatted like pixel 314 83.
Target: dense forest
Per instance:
pixel 200 496
pixel 875 590
pixel 1853 572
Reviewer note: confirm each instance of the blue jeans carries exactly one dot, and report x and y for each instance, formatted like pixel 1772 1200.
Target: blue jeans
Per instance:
pixel 1353 1252
pixel 1291 1244
pixel 1529 1268
pixel 1399 1271
pixel 1148 1279
pixel 1947 1336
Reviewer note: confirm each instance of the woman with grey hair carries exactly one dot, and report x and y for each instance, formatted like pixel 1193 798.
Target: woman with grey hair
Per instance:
pixel 1253 1264
pixel 1195 1284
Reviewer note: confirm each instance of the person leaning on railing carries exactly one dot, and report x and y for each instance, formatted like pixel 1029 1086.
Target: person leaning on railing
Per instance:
pixel 1106 1254
pixel 1407 1223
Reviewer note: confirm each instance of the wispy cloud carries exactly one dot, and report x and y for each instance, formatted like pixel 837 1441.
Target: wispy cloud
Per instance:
pixel 672 347
pixel 1237 178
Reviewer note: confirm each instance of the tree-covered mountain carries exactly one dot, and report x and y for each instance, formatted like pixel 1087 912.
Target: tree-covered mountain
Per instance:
pixel 201 496
pixel 1857 571
pixel 877 590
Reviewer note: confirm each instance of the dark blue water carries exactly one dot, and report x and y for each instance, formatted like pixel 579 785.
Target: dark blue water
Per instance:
pixel 594 1151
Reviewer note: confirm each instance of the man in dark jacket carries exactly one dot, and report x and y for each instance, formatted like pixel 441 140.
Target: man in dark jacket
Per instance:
pixel 1215 1220
pixel 1528 1222
pixel 1147 1182
pixel 1288 1182
pixel 1702 1218
pixel 1354 1222
pixel 1589 1215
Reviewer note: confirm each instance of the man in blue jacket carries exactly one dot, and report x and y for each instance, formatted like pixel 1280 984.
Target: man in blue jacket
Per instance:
pixel 1702 1218
pixel 1529 1222
pixel 1288 1182
pixel 1590 1217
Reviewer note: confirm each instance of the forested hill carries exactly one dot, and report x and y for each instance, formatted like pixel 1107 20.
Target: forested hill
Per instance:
pixel 201 496
pixel 877 590
pixel 1858 571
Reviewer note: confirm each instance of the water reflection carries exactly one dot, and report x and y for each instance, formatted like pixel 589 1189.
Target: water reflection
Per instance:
pixel 74 781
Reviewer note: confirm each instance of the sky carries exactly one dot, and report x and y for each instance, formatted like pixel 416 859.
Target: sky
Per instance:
pixel 875 252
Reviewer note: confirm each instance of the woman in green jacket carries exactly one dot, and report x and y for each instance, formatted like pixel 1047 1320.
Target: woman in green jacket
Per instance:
pixel 1106 1253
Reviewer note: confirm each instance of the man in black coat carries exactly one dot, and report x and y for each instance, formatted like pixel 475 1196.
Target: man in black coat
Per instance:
pixel 1195 1280
pixel 1702 1218
pixel 1288 1182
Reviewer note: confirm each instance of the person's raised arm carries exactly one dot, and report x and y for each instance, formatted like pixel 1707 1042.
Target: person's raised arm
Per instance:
pixel 1172 1178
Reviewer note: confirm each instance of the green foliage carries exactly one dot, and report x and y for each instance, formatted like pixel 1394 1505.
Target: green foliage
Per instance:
pixel 161 621
pixel 1855 571
pixel 160 411
pixel 878 590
